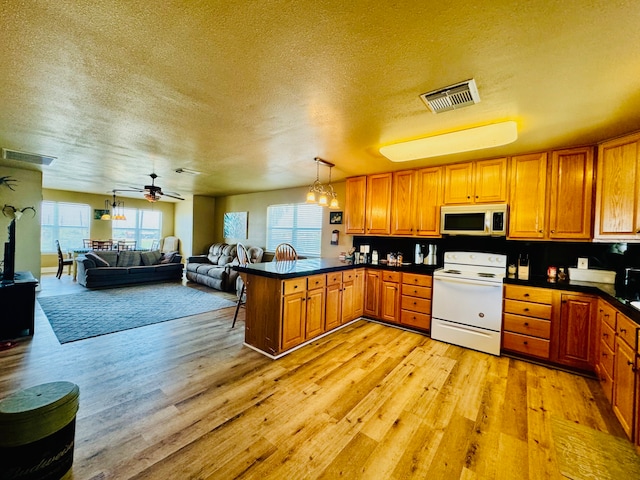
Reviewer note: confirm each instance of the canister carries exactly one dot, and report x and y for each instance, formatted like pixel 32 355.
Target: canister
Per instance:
pixel 37 428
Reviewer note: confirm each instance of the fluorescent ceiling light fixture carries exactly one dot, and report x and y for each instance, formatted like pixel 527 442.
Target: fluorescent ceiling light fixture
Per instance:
pixel 468 140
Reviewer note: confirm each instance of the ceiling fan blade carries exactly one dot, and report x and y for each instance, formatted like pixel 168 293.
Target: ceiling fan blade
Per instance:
pixel 130 189
pixel 173 196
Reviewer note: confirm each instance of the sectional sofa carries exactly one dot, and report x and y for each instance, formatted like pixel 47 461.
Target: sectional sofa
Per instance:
pixel 99 269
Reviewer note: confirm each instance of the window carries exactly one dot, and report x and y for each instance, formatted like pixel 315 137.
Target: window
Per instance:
pixel 143 226
pixel 298 224
pixel 66 222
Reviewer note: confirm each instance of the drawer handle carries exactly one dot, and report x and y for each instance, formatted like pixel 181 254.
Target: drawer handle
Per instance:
pixel 629 362
pixel 415 303
pixel 526 309
pixel 623 330
pixel 526 294
pixel 525 342
pixel 295 286
pixel 605 335
pixel 604 354
pixel 526 324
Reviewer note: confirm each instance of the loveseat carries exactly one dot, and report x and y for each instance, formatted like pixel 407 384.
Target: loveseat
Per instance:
pixel 215 268
pixel 106 268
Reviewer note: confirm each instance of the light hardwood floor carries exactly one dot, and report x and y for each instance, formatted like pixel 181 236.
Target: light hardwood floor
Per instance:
pixel 184 399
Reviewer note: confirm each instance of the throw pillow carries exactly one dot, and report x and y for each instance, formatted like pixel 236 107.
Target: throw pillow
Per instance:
pixel 128 258
pixel 100 262
pixel 168 257
pixel 151 258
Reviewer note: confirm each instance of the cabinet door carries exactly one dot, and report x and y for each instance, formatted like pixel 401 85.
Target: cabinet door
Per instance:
pixel 378 217
pixel 348 311
pixel 617 212
pixel 354 207
pixel 390 302
pixel 358 293
pixel 402 203
pixel 624 385
pixel 333 310
pixel 577 331
pixel 527 196
pixel 571 190
pixel 428 200
pixel 371 293
pixel 314 324
pixel 490 180
pixel 458 183
pixel 293 319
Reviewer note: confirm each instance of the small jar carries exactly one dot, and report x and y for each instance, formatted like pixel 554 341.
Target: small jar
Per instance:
pixel 562 276
pixel 399 257
pixel 551 272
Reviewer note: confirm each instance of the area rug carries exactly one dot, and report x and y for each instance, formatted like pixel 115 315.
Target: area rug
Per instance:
pixel 584 453
pixel 98 312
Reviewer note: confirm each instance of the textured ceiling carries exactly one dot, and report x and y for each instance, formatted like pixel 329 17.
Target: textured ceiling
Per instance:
pixel 250 92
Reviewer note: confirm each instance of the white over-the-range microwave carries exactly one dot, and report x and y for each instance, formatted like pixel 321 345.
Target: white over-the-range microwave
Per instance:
pixel 486 219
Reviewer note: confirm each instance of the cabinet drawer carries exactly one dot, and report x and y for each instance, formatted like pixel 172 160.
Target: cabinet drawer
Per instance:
pixel 608 314
pixel 334 278
pixel 417 279
pixel 533 346
pixel 626 330
pixel 607 335
pixel 295 285
pixel 606 358
pixel 415 319
pixel 391 276
pixel 316 281
pixel 527 326
pixel 416 291
pixel 348 275
pixel 529 294
pixel 528 309
pixel 416 304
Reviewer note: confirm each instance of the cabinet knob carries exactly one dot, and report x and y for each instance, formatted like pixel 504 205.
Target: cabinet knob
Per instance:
pixel 604 354
pixel 526 309
pixel 623 330
pixel 605 335
pixel 526 294
pixel 629 362
pixel 525 342
pixel 540 231
pixel 526 324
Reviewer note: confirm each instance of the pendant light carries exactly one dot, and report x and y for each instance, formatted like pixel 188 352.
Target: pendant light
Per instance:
pixel 324 195
pixel 117 212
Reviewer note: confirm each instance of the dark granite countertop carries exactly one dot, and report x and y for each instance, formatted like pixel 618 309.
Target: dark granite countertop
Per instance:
pixel 312 266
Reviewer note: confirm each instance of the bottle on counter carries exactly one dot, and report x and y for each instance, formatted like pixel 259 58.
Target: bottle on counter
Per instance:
pixel 374 257
pixel 562 276
pixel 400 258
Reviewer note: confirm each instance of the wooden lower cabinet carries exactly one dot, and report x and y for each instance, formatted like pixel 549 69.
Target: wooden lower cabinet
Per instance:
pixel 333 301
pixel 294 312
pixel 372 284
pixel 390 296
pixel 605 347
pixel 624 373
pixel 576 343
pixel 415 304
pixel 527 321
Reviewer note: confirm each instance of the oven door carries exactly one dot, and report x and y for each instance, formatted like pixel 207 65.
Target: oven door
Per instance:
pixel 469 302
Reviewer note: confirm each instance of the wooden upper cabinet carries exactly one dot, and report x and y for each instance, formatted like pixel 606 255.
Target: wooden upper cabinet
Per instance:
pixel 428 201
pixel 458 183
pixel 527 196
pixel 490 181
pixel 403 202
pixel 571 194
pixel 378 204
pixel 354 209
pixel 483 181
pixel 617 215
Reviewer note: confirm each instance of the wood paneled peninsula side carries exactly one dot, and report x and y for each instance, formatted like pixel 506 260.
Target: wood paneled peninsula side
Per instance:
pixel 289 304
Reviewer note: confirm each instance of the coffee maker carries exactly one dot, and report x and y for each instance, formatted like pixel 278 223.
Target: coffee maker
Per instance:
pixel 432 256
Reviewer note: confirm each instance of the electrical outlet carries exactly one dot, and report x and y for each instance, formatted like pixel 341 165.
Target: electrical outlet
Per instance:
pixel 583 263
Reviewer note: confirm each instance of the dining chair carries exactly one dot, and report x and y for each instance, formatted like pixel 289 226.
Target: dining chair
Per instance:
pixel 62 261
pixel 126 245
pixel 155 245
pixel 243 259
pixel 285 251
pixel 101 244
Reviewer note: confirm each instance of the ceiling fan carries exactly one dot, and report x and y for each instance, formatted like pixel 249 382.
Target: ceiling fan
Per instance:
pixel 153 192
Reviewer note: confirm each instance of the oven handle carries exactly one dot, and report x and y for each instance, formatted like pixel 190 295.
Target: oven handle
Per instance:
pixel 467 282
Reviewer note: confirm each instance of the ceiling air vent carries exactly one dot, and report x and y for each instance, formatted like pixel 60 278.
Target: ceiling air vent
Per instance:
pixel 27 157
pixel 452 97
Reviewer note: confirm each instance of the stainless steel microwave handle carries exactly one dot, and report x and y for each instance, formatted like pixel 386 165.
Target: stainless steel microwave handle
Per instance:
pixel 467 282
pixel 487 222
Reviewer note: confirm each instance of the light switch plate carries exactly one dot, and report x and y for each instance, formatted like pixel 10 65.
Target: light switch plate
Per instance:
pixel 583 263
